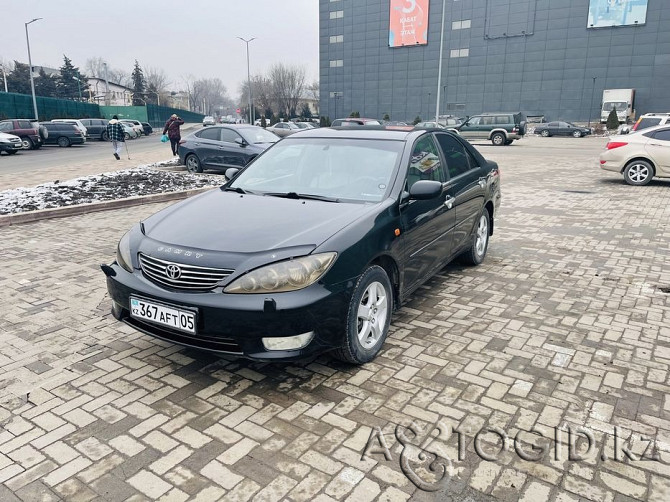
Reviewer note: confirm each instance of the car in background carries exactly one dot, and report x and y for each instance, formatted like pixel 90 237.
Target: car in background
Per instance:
pixel 147 128
pixel 208 121
pixel 426 125
pixel 76 122
pixel 135 124
pixel 311 247
pixel 305 125
pixel 10 143
pixel 353 122
pixel 650 120
pixel 559 128
pixel 394 123
pixel 97 128
pixel 223 146
pixel 130 131
pixel 63 134
pixel 25 129
pixel 500 128
pixel 639 156
pixel 283 129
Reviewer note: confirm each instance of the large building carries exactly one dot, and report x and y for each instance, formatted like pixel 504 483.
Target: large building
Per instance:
pixel 544 57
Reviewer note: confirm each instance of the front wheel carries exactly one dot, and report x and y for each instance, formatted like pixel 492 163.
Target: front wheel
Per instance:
pixel 638 173
pixel 126 136
pixel 368 317
pixel 498 139
pixel 544 133
pixel 63 142
pixel 193 164
pixel 577 134
pixel 480 240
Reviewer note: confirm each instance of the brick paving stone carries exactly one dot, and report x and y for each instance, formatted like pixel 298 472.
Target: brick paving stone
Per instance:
pixel 564 323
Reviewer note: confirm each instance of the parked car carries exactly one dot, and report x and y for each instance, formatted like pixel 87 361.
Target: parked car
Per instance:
pixel 76 122
pixel 394 123
pixel 10 143
pixel 135 124
pixel 63 134
pixel 130 130
pixel 500 128
pixel 208 121
pixel 427 125
pixel 97 128
pixel 147 128
pixel 28 131
pixel 558 128
pixel 650 120
pixel 223 146
pixel 350 121
pixel 380 212
pixel 283 129
pixel 639 156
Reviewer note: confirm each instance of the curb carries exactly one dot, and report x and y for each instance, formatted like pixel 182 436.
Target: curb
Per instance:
pixel 66 211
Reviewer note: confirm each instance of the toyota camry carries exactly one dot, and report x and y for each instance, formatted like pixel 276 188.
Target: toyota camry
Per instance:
pixel 310 247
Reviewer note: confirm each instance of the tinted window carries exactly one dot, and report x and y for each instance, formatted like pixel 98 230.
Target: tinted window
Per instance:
pixel 25 124
pixel 503 119
pixel 647 122
pixel 229 135
pixel 209 134
pixel 663 135
pixel 489 120
pixel 425 162
pixel 454 154
pixel 552 124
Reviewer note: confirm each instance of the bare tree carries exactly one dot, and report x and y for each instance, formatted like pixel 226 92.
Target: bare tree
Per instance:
pixel 210 94
pixel 288 83
pixel 262 94
pixel 157 83
pixel 312 90
pixel 95 67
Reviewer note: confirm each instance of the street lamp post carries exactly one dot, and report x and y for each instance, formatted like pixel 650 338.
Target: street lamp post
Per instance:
pixel 439 71
pixel 251 120
pixel 30 64
pixel 78 85
pixel 4 75
pixel 593 90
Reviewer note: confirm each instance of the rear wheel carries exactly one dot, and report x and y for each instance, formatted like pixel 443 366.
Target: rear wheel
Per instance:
pixel 127 136
pixel 577 134
pixel 638 173
pixel 63 142
pixel 193 164
pixel 498 139
pixel 368 317
pixel 480 240
pixel 27 143
pixel 544 133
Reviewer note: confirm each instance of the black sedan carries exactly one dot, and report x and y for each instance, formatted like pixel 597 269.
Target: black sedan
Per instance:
pixel 309 248
pixel 561 129
pixel 224 146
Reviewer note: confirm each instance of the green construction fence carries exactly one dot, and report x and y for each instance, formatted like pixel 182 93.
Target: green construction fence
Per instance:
pixel 20 106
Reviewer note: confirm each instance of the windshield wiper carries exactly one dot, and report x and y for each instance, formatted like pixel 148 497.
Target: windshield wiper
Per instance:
pixel 236 189
pixel 295 195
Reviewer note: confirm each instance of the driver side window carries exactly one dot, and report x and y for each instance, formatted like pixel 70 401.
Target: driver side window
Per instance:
pixel 425 162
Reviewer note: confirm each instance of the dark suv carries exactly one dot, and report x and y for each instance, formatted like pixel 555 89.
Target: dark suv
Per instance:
pixel 500 128
pixel 97 128
pixel 24 129
pixel 63 135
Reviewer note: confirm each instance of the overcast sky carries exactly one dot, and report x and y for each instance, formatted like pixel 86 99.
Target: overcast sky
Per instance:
pixel 182 37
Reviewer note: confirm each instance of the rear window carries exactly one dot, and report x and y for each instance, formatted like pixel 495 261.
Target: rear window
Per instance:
pixel 644 123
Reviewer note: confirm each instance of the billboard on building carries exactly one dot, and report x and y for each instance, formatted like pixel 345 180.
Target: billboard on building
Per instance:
pixel 408 23
pixel 603 13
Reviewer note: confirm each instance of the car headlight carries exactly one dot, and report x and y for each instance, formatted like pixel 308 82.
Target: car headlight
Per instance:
pixel 123 256
pixel 289 275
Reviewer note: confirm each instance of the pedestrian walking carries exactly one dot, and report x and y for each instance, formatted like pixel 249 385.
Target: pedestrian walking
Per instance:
pixel 117 135
pixel 172 130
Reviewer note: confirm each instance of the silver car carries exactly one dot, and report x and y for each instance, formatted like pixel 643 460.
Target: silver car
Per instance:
pixel 283 129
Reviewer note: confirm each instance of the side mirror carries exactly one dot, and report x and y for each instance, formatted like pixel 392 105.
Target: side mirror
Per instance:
pixel 241 142
pixel 425 190
pixel 231 172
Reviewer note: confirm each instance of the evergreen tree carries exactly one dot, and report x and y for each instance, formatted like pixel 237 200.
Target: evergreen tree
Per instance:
pixel 305 112
pixel 18 80
pixel 612 120
pixel 386 117
pixel 45 85
pixel 66 83
pixel 138 85
pixel 417 119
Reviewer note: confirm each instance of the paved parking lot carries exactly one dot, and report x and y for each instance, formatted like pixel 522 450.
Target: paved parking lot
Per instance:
pixel 565 325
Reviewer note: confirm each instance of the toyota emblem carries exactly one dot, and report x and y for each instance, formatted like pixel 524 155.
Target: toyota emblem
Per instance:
pixel 173 271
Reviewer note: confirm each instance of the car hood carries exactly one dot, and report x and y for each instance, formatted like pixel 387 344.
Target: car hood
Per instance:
pixel 234 223
pixel 8 137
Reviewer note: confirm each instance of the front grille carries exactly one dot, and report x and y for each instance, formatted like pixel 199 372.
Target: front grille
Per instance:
pixel 190 277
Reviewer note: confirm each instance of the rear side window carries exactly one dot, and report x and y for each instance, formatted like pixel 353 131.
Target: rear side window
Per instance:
pixel 644 123
pixel 488 120
pixel 25 124
pixel 663 135
pixel 503 119
pixel 455 155
pixel 209 134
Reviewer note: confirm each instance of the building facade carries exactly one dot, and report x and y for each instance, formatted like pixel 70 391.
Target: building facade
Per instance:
pixel 550 58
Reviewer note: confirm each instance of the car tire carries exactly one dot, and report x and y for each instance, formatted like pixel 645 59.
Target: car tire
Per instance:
pixel 27 143
pixel 368 317
pixel 498 139
pixel 126 136
pixel 638 173
pixel 104 136
pixel 577 134
pixel 545 133
pixel 193 164
pixel 63 142
pixel 480 240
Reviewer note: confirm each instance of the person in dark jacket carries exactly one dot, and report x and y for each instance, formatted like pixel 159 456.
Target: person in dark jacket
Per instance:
pixel 117 135
pixel 172 130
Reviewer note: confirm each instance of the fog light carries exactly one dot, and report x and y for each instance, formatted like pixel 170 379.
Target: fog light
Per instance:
pixel 288 342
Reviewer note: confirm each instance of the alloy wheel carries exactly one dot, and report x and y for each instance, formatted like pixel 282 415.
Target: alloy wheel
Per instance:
pixel 372 314
pixel 482 235
pixel 638 173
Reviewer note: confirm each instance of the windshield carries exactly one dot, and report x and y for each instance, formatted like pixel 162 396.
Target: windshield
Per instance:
pixel 620 106
pixel 258 135
pixel 348 169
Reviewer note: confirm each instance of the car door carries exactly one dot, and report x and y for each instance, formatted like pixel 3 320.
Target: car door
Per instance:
pixel 658 148
pixel 206 146
pixel 471 128
pixel 426 224
pixel 233 153
pixel 466 187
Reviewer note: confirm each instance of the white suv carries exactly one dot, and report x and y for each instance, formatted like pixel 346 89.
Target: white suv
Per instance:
pixel 650 120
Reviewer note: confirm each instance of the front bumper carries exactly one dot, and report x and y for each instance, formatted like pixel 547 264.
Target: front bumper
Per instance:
pixel 236 324
pixel 11 147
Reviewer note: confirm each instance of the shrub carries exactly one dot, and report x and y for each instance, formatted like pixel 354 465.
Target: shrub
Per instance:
pixel 612 120
pixel 417 119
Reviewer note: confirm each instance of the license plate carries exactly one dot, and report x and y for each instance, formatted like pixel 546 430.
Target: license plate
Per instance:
pixel 182 320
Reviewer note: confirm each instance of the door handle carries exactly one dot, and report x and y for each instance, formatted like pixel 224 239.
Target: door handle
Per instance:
pixel 449 202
